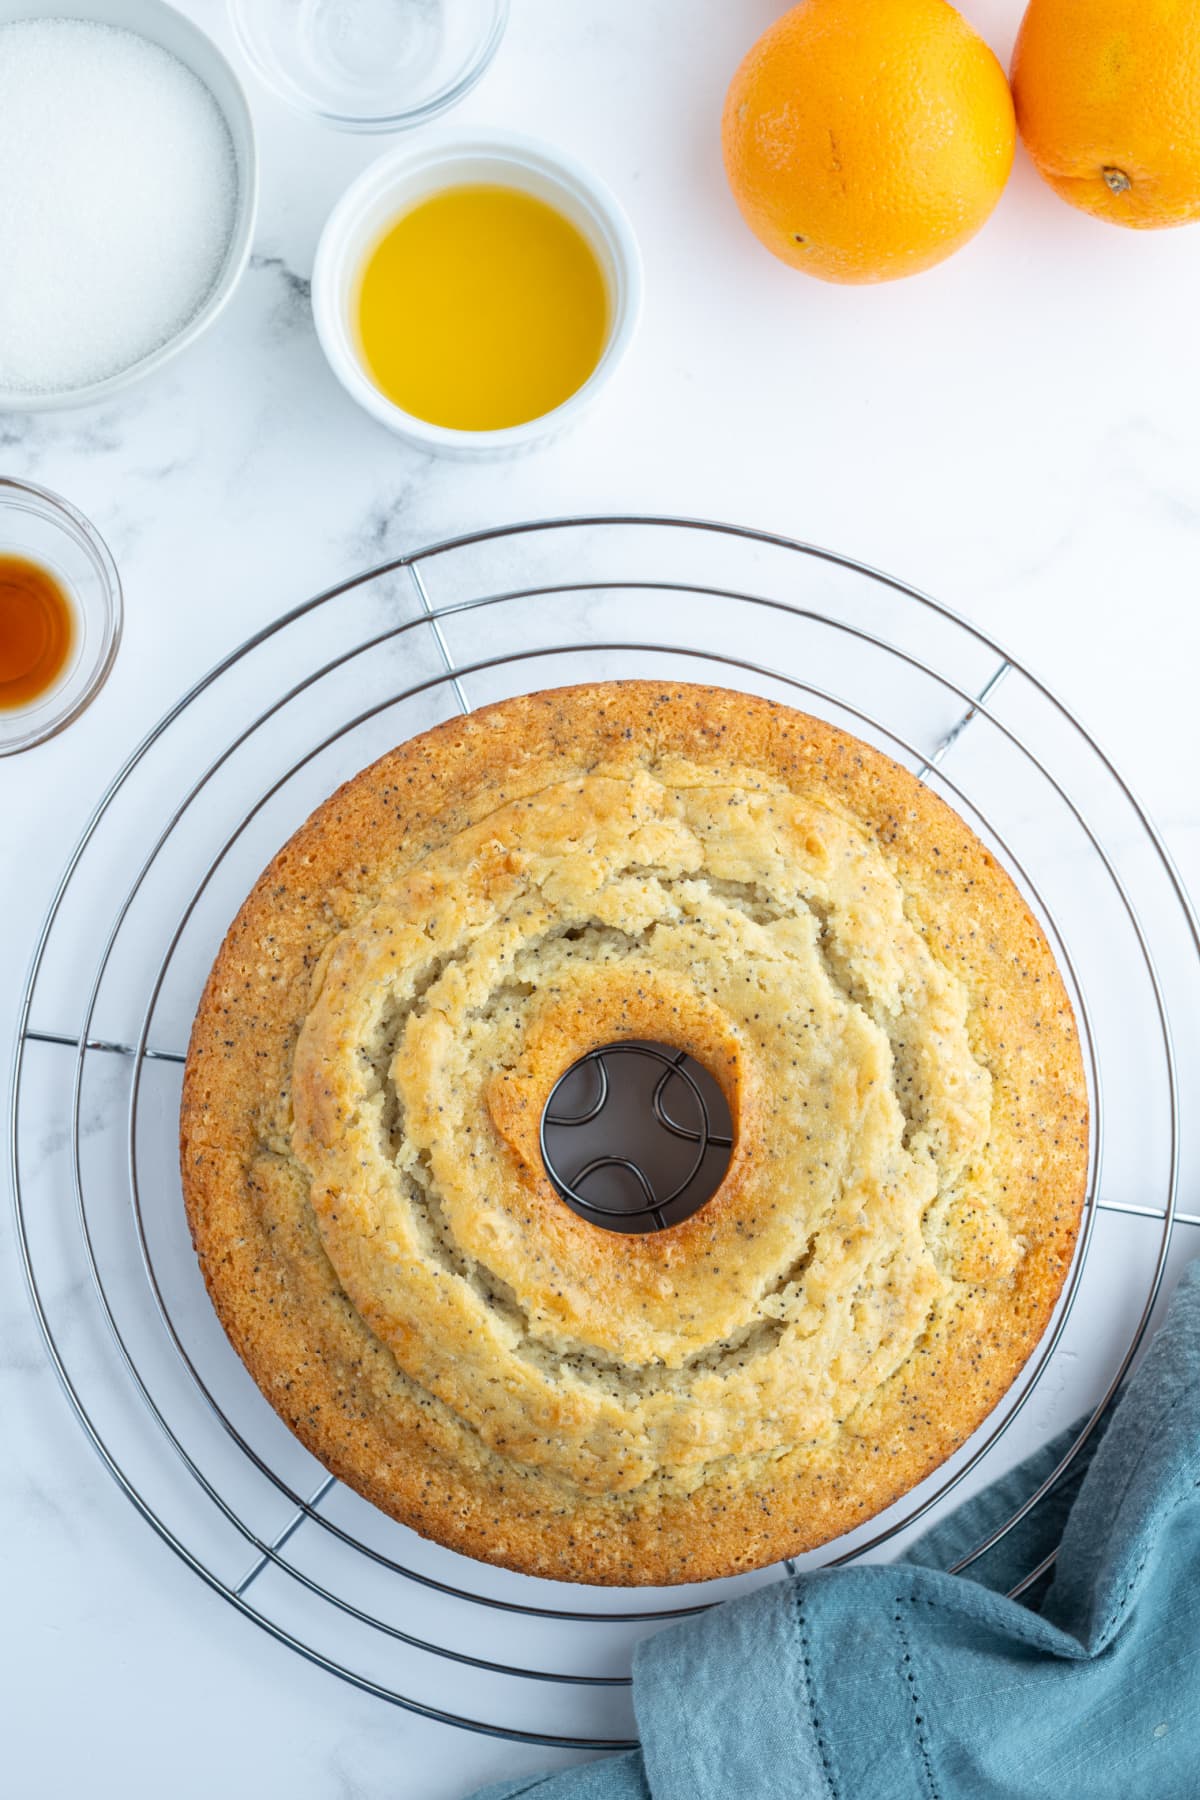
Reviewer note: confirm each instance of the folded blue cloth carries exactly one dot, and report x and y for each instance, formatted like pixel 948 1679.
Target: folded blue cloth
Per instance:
pixel 901 1682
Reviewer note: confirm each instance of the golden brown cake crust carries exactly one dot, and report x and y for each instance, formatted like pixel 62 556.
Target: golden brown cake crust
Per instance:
pixel 428 954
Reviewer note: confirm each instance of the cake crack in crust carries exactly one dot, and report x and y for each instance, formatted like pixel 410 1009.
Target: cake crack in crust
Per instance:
pixel 430 953
pixel 569 1357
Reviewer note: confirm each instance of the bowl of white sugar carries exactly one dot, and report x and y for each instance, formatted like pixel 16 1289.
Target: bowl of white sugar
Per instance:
pixel 127 198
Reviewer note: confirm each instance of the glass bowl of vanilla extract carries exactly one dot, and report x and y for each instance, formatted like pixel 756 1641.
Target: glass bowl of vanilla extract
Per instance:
pixel 60 614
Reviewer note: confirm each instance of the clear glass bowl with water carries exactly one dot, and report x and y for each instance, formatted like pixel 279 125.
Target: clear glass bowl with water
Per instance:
pixel 369 65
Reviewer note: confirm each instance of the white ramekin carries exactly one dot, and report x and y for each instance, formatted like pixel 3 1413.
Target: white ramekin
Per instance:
pixel 406 176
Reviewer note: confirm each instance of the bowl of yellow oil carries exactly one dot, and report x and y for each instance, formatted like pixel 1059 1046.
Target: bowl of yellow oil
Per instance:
pixel 476 294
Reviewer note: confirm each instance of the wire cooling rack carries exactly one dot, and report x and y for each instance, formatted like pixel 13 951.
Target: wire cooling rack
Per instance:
pixel 228 774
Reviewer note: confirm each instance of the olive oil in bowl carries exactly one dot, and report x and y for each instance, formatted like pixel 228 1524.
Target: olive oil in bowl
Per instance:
pixel 481 307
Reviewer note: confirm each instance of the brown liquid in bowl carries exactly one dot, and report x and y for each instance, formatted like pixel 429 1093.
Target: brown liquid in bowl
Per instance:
pixel 37 631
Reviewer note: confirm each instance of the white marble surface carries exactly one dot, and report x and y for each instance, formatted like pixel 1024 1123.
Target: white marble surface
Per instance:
pixel 1017 432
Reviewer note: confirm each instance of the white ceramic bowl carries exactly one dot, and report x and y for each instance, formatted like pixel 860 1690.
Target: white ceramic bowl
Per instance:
pixel 399 181
pixel 162 25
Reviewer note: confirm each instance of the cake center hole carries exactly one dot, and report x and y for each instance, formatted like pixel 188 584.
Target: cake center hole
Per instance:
pixel 636 1136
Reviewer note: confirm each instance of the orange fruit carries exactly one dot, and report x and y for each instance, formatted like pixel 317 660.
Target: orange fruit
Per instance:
pixel 1108 104
pixel 868 139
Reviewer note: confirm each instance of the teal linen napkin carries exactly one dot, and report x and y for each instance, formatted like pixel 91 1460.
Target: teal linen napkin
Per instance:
pixel 901 1682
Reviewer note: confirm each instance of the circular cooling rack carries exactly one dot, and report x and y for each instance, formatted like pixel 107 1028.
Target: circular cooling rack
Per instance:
pixel 204 802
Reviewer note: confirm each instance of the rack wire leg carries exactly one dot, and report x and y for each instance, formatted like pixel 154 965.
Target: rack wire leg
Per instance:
pixel 951 738
pixel 293 1525
pixel 440 636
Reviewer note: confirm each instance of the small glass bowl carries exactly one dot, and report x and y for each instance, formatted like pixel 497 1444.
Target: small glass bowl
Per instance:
pixel 369 65
pixel 45 528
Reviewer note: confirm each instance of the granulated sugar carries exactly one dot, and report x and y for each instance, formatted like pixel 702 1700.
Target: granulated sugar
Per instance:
pixel 117 193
